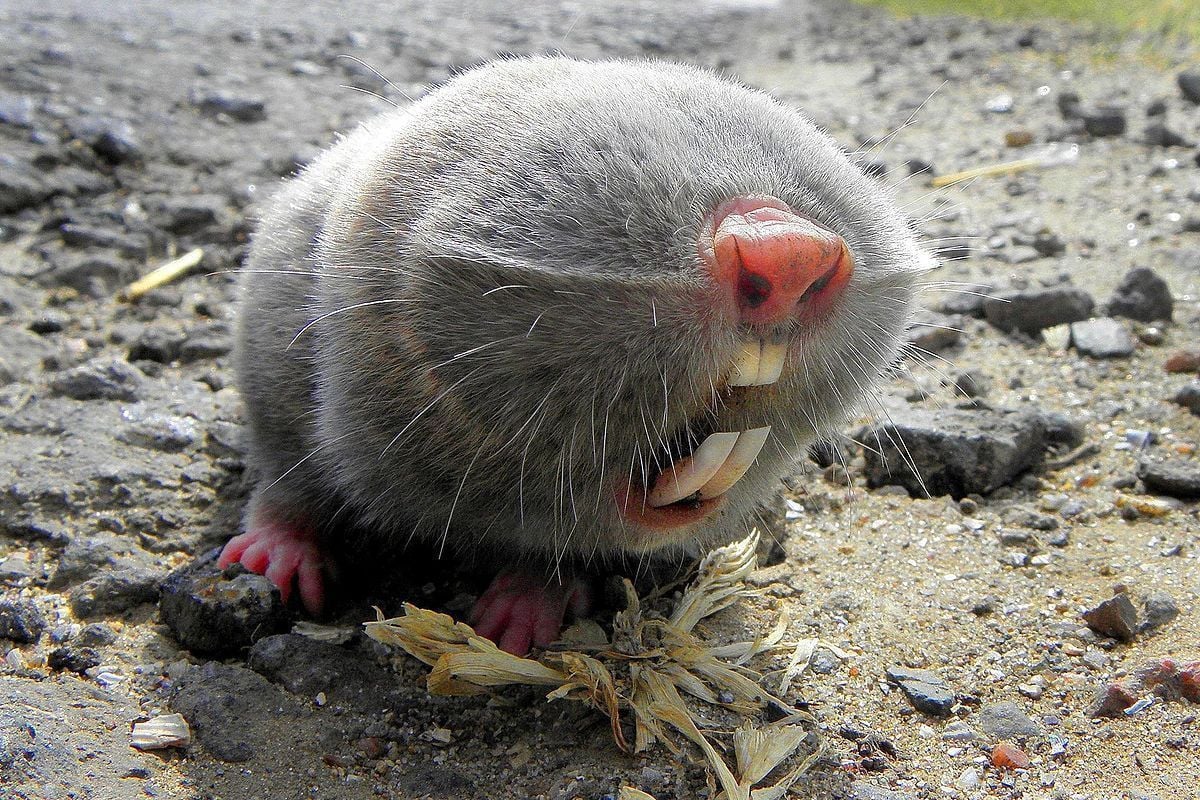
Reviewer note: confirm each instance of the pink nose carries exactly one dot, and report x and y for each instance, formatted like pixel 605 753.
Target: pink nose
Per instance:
pixel 774 263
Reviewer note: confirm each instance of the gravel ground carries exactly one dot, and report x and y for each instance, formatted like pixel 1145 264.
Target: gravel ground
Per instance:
pixel 1052 421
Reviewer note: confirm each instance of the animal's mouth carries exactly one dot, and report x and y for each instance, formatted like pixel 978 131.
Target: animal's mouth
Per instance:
pixel 687 479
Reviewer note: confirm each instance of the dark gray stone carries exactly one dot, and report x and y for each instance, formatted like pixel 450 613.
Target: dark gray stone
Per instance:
pixel 1115 617
pixel 1006 721
pixel 20 189
pixel 213 615
pixel 1031 310
pixel 114 591
pixel 1188 396
pixel 1189 84
pixel 93 274
pixel 100 379
pixel 1157 134
pixel 72 658
pixel 1142 295
pixel 931 332
pixel 155 431
pixel 1102 338
pixel 1105 121
pixel 190 214
pixel 953 452
pixel 157 344
pixel 233 711
pixel 79 235
pixel 21 621
pixel 927 691
pixel 967 300
pixel 1175 477
pixel 111 139
pixel 242 109
pixel 1158 609
pixel 1069 104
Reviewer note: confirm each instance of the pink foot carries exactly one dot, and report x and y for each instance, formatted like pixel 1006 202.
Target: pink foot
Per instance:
pixel 287 553
pixel 519 609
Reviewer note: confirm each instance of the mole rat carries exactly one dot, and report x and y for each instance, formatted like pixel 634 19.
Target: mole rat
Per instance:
pixel 554 313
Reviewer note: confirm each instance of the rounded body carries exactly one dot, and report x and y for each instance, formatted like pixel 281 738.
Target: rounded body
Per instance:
pixel 487 318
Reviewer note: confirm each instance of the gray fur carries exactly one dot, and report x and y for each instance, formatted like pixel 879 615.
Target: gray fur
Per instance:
pixel 468 317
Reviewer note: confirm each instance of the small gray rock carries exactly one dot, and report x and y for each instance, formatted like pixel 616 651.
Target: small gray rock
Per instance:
pixel 1158 609
pixel 20 189
pixel 1188 396
pixel 951 451
pixel 99 379
pixel 1031 310
pixel 242 109
pixel 111 139
pixel 21 621
pixel 211 614
pixel 1189 84
pixel 1173 477
pixel 1102 338
pixel 932 332
pixel 1142 295
pixel 927 691
pixel 114 591
pixel 1105 121
pixel 1006 721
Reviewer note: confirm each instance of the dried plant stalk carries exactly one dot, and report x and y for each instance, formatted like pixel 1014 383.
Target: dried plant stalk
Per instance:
pixel 642 671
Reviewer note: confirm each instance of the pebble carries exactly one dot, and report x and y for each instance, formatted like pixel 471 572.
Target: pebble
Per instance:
pixel 1006 755
pixel 115 590
pixel 1157 134
pixel 1142 295
pixel 100 379
pixel 20 189
pixel 934 332
pixel 1102 338
pixel 927 691
pixel 1188 396
pixel 1158 609
pixel 190 213
pixel 1115 617
pixel 1033 309
pixel 72 659
pixel 1069 105
pixel 156 343
pixel 156 431
pixel 1175 477
pixel 21 621
pixel 92 274
pixel 113 140
pixel 1006 720
pixel 959 731
pixel 1105 121
pixel 952 451
pixel 214 614
pixel 236 107
pixel 16 110
pixel 1183 361
pixel 1189 84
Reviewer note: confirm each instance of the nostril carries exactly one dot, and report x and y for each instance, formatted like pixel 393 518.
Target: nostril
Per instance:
pixel 773 262
pixel 753 289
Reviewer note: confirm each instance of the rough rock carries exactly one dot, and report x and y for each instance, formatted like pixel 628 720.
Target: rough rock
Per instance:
pixel 1115 617
pixel 21 621
pixel 1174 477
pixel 1158 609
pixel 1105 121
pixel 1188 396
pixel 1031 310
pixel 100 379
pixel 212 613
pixel 1102 338
pixel 1142 295
pixel 1006 720
pixel 953 452
pixel 1189 84
pixel 927 691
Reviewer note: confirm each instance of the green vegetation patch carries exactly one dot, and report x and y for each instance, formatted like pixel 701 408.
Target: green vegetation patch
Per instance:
pixel 1174 18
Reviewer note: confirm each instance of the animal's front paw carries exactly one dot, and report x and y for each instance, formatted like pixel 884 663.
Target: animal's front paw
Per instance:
pixel 287 553
pixel 521 609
